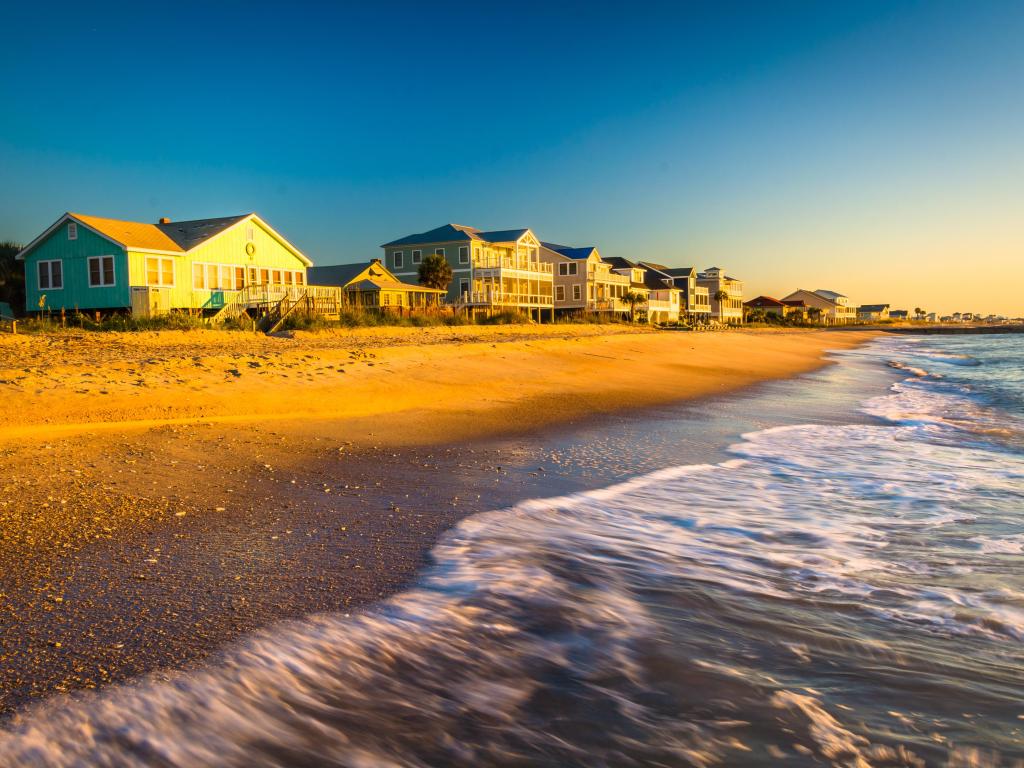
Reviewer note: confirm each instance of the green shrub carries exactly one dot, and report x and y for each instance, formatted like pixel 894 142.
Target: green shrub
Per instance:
pixel 50 322
pixel 508 317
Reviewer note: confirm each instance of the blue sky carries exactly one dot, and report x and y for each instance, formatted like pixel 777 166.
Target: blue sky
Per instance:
pixel 797 144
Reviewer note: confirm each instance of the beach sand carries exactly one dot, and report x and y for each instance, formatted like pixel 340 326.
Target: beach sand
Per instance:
pixel 165 493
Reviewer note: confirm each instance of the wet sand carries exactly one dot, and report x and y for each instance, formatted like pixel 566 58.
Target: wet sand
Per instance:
pixel 131 545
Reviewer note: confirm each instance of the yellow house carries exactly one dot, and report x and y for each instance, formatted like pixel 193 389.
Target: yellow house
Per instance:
pixel 369 284
pixel 91 263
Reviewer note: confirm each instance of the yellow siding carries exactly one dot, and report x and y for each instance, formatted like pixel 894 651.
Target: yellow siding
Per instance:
pixel 227 248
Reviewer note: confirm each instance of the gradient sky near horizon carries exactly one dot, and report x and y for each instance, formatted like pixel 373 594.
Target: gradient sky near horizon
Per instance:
pixel 873 148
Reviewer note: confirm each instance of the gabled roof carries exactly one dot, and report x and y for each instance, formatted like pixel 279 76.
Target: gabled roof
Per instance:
pixel 570 252
pixel 453 232
pixel 794 302
pixel 502 235
pixel 130 234
pixel 761 301
pixel 343 274
pixel 617 262
pixel 872 307
pixel 443 234
pixel 173 237
pixel 189 234
pixel 830 295
pixel 655 277
pixel 809 294
pixel 679 271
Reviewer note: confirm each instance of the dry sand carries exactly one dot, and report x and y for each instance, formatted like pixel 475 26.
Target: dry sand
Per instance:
pixel 163 493
pixel 404 385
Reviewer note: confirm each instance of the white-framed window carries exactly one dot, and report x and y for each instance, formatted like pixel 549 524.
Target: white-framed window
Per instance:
pixel 222 277
pixel 250 234
pixel 72 230
pixel 577 291
pixel 160 271
pixel 463 254
pixel 559 293
pixel 417 257
pixel 463 287
pixel 439 251
pixel 568 268
pixel 101 271
pixel 399 259
pixel 51 275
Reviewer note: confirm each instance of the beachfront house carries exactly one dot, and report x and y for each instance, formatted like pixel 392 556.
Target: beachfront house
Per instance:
pixel 796 309
pixel 767 305
pixel 872 313
pixel 694 301
pixel 90 263
pixel 491 270
pixel 369 285
pixel 583 281
pixel 665 298
pixel 637 284
pixel 725 293
pixel 826 307
pixel 900 314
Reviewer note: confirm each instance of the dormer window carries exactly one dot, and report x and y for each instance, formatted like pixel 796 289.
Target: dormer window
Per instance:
pixel 72 230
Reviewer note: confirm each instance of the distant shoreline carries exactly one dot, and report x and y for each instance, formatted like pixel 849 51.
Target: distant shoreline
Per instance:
pixel 955 329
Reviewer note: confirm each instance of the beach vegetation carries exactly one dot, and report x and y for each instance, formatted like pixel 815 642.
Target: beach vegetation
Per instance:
pixel 49 322
pixel 507 317
pixel 435 272
pixel 12 277
pixel 633 299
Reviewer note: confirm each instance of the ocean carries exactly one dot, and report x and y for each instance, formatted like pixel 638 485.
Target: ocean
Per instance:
pixel 845 589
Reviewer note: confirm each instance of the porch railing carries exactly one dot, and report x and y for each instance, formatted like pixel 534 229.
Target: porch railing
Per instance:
pixel 509 262
pixel 505 298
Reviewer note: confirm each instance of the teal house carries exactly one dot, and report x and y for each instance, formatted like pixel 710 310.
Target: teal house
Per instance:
pixel 90 263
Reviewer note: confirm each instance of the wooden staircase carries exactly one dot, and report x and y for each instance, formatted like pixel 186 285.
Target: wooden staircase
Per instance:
pixel 237 309
pixel 274 304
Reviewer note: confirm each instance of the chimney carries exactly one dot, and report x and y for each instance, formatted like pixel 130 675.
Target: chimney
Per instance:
pixel 164 220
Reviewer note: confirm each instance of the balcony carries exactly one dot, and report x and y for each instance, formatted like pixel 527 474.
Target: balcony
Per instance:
pixel 505 299
pixel 607 305
pixel 511 263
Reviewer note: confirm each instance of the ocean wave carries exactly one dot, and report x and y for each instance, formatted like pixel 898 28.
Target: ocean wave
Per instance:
pixel 549 602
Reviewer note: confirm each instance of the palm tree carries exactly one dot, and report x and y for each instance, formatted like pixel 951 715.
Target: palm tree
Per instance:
pixel 435 272
pixel 633 298
pixel 918 312
pixel 814 313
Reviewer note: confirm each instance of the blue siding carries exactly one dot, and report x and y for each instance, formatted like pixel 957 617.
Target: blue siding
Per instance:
pixel 73 255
